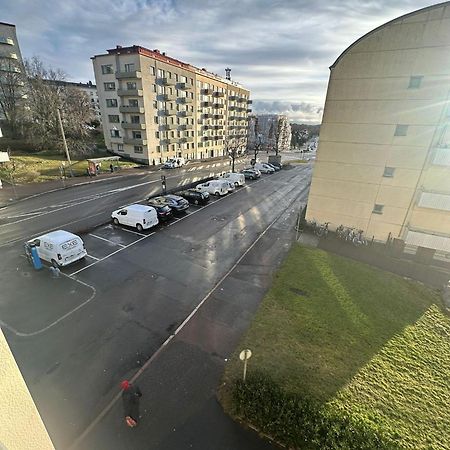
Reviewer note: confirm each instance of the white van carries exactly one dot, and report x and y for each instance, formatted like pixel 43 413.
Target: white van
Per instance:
pixel 172 163
pixel 264 168
pixel 139 216
pixel 59 248
pixel 238 179
pixel 214 187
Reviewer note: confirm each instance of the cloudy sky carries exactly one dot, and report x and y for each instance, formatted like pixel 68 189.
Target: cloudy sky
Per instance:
pixel 280 50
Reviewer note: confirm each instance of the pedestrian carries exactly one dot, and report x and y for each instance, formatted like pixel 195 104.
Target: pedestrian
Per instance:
pixel 130 399
pixel 111 168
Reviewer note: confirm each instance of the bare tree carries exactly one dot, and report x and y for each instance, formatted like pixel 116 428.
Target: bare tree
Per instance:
pixel 235 146
pixel 11 95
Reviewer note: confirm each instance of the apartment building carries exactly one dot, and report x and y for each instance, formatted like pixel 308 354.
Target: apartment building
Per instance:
pixel 11 68
pixel 273 130
pixel 383 160
pixel 155 107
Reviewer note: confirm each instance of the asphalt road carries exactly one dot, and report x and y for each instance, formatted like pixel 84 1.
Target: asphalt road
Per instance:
pixel 169 305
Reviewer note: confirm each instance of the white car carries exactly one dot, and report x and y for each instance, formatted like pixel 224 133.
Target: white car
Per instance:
pixel 174 162
pixel 238 179
pixel 138 216
pixel 214 187
pixel 264 168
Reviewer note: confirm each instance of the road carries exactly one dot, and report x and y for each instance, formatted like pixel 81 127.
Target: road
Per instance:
pixel 168 306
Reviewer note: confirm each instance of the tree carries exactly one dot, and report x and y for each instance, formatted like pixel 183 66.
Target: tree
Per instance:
pixel 12 95
pixel 259 140
pixel 234 146
pixel 48 92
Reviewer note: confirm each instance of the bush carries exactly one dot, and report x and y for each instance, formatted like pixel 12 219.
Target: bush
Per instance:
pixel 300 422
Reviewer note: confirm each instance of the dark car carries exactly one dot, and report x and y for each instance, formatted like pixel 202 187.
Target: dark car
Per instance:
pixel 177 204
pixel 195 197
pixel 164 212
pixel 251 174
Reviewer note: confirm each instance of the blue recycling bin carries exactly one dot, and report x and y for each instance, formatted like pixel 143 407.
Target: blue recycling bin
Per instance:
pixel 37 263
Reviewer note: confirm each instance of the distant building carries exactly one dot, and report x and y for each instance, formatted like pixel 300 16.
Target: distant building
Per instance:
pixel 11 66
pixel 383 160
pixel 273 130
pixel 155 107
pixel 90 90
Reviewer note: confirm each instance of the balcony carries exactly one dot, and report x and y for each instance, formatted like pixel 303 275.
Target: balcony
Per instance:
pixel 167 141
pixel 185 113
pixel 185 100
pixel 132 74
pixel 233 108
pixel 207 91
pixel 166 81
pixel 167 97
pixel 207 138
pixel 206 104
pixel 133 126
pixel 169 126
pixel 186 127
pixel 218 106
pixel 130 92
pixel 218 127
pixel 6 40
pixel 207 116
pixel 249 110
pixel 233 97
pixel 9 56
pixel 249 102
pixel 218 116
pixel 185 139
pixel 218 94
pixel 184 86
pixel 132 109
pixel 133 141
pixel 207 127
pixel 168 112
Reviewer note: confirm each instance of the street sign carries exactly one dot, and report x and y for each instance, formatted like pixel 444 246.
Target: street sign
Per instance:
pixel 245 355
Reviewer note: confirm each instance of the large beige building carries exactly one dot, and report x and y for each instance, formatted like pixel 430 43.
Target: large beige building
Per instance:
pixel 155 107
pixel 383 162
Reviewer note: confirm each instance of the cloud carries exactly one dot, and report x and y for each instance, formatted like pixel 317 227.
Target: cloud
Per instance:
pixel 280 50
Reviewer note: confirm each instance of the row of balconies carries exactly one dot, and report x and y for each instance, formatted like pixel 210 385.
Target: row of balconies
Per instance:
pixel 9 56
pixel 212 127
pixel 174 126
pixel 212 104
pixel 212 116
pixel 180 140
pixel 6 40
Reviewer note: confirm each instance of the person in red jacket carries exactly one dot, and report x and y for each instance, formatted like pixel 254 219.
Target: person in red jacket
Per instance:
pixel 131 395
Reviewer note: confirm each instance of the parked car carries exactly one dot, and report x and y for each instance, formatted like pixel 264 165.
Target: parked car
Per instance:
pixel 231 186
pixel 274 167
pixel 214 187
pixel 251 174
pixel 277 164
pixel 237 178
pixel 264 168
pixel 163 211
pixel 176 203
pixel 195 197
pixel 139 216
pixel 173 163
pixel 59 248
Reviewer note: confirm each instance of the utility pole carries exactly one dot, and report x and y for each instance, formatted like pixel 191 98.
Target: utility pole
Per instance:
pixel 64 142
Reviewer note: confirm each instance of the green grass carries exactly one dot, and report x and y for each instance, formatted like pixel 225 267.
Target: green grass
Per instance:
pixel 42 166
pixel 358 340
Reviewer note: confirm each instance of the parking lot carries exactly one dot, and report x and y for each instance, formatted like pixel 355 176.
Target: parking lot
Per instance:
pixel 105 316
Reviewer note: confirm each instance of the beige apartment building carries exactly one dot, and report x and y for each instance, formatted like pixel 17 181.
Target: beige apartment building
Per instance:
pixel 383 161
pixel 155 107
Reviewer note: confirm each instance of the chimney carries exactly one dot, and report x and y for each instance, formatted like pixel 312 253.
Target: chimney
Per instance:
pixel 228 73
pixel 156 50
pixel 118 47
pixel 164 53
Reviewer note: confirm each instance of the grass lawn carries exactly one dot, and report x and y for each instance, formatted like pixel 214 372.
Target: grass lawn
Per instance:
pixel 360 341
pixel 43 167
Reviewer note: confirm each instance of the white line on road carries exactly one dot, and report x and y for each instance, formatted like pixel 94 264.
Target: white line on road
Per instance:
pixel 107 240
pixel 93 257
pixel 131 231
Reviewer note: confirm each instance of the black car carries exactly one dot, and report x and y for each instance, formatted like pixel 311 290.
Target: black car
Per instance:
pixel 164 212
pixel 177 204
pixel 195 197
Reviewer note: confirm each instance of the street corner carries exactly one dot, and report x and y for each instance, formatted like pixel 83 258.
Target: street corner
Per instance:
pixel 33 301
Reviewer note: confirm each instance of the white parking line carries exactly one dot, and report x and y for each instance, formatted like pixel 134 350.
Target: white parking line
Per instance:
pixel 93 257
pixel 107 240
pixel 131 231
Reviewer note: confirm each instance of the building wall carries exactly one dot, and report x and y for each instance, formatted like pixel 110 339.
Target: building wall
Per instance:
pixel 21 425
pixel 386 121
pixel 274 131
pixel 182 110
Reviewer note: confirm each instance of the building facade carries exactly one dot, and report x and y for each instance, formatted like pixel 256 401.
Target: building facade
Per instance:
pixel 272 130
pixel 383 160
pixel 11 70
pixel 155 107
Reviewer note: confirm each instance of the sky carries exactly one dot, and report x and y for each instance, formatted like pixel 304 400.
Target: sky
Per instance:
pixel 279 50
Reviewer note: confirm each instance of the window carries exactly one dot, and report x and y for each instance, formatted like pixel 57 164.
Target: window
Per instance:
pixel 129 67
pixel 138 149
pixel 155 104
pixel 133 103
pixel 154 87
pixel 378 209
pixel 401 130
pixel 137 135
pixel 156 119
pixel 160 73
pixel 111 103
pixel 152 70
pixel 107 68
pixel 415 82
pixel 113 119
pixel 115 133
pixel 158 149
pixel 389 172
pixel 135 119
pixel 157 135
pixel 120 147
pixel 109 86
pixel 131 85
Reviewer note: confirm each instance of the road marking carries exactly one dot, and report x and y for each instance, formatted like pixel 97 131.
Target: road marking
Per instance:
pixel 111 254
pixel 114 400
pixel 93 257
pixel 131 231
pixel 107 240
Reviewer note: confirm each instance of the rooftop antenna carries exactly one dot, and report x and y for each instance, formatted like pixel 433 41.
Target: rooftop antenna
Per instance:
pixel 228 73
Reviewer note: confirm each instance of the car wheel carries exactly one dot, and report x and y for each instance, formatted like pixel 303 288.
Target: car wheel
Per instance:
pixel 216 193
pixel 55 264
pixel 236 184
pixel 139 227
pixel 116 221
pixel 195 202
